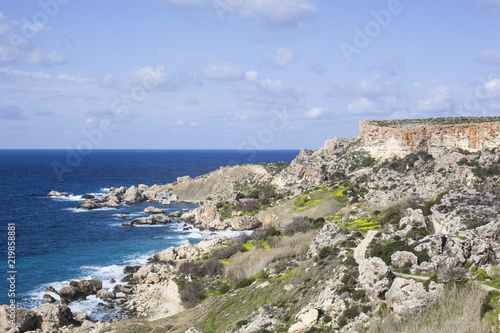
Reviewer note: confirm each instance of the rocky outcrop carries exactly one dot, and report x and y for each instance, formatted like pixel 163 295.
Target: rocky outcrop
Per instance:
pixel 149 220
pixel 408 297
pixel 329 235
pixel 401 258
pixel 79 290
pixel 189 251
pixel 56 194
pixel 375 277
pixel 386 139
pixel 133 195
pixel 243 223
pixel 53 316
pixel 23 319
pixel 89 205
pixel 154 210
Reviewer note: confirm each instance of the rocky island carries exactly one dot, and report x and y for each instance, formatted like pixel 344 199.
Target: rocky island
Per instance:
pixel 393 229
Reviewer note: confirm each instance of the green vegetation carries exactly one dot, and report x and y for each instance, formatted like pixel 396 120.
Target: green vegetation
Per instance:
pixel 384 250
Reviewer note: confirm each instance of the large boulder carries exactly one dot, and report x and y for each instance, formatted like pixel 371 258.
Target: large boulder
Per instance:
pixel 240 223
pixel 105 294
pixel 374 277
pixel 143 187
pixel 56 194
pixel 111 204
pixel 23 319
pixel 329 235
pixel 88 287
pixel 70 293
pixel 408 297
pixel 133 195
pixel 400 258
pixel 154 210
pixel 151 220
pixel 187 216
pixel 54 316
pixel 90 204
pixel 149 195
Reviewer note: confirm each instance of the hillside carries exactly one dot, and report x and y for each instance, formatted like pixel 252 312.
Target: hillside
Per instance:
pixel 378 233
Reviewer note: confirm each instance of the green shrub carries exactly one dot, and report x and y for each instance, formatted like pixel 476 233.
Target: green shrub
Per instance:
pixel 358 294
pixel 392 215
pixel 351 312
pixel 385 250
pixel 328 251
pixel 244 283
pixel 342 321
pixel 428 282
pixel 272 231
pixel 192 294
pixel 418 233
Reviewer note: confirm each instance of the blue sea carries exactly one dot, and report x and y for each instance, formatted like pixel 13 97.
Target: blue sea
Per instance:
pixel 56 243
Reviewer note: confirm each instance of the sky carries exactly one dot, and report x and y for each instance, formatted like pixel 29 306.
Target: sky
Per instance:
pixel 237 74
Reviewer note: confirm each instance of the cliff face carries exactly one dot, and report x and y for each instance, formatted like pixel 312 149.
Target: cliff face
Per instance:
pixel 387 139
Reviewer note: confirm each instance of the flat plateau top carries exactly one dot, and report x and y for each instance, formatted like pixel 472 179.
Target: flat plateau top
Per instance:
pixel 428 122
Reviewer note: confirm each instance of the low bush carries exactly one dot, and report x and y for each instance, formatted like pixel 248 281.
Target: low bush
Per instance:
pixel 212 268
pixel 385 250
pixel 190 268
pixel 298 225
pixel 272 231
pixel 244 283
pixel 245 265
pixel 228 252
pixel 192 294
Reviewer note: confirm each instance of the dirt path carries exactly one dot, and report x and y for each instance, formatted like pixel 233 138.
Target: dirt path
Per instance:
pixel 360 250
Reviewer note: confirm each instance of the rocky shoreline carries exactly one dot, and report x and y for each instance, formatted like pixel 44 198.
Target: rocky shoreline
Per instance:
pixel 343 241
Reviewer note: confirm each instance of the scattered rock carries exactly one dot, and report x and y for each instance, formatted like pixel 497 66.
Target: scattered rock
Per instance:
pixel 87 196
pixel 82 316
pixel 56 194
pixel 374 277
pixel 89 205
pixel 400 258
pixel 243 223
pixel 25 320
pixel 408 297
pixel 154 210
pixel 51 290
pixel 54 316
pixel 175 214
pixel 49 299
pixel 105 294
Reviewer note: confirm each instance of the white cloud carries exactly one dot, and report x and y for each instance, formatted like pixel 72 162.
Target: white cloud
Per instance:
pixel 12 112
pixel 153 77
pixel 436 99
pixel 251 75
pixel 267 93
pixel 18 50
pixel 224 71
pixel 492 88
pixel 375 86
pixel 379 105
pixel 314 113
pixel 107 80
pixel 282 57
pixel 489 57
pixel 279 12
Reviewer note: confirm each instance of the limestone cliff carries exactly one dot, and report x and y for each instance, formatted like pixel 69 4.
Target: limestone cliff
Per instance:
pixel 398 138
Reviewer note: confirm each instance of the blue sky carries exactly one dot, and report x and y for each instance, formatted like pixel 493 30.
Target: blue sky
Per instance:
pixel 237 74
